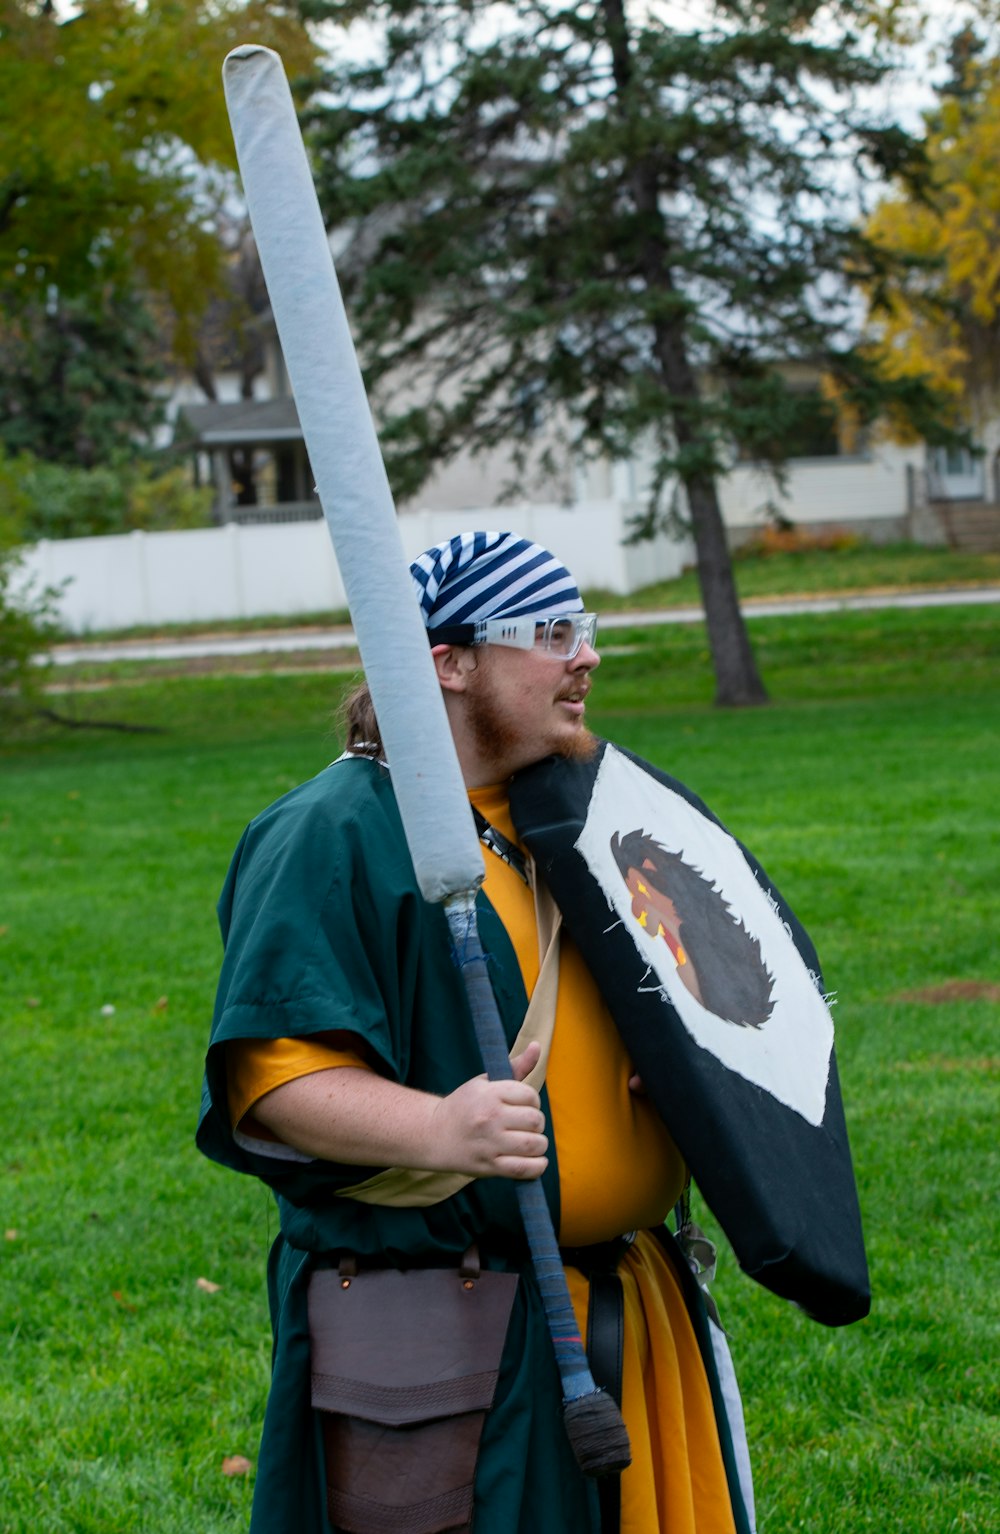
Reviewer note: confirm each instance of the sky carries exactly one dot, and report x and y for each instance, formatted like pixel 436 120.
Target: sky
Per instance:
pixel 905 95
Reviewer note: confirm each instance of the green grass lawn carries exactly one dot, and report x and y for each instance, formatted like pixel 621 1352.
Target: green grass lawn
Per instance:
pixel 869 789
pixel 817 572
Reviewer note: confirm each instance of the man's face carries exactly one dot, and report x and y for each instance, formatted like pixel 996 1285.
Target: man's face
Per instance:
pixel 522 705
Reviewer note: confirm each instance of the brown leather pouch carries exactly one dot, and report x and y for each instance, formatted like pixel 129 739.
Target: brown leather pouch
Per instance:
pixel 404 1370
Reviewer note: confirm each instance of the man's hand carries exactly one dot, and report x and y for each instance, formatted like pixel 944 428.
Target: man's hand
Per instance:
pixel 354 1116
pixel 494 1128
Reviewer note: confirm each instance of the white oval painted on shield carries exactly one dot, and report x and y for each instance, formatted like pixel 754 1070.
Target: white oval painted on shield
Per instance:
pixel 789 1055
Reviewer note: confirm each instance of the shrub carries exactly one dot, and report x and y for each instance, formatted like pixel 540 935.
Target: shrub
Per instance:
pixel 784 537
pixel 54 500
pixel 27 628
pixel 164 499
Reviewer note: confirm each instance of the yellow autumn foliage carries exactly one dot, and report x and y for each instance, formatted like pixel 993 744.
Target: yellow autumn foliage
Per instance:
pixel 942 318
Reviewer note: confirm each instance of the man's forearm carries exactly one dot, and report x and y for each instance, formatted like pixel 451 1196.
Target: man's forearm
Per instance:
pixel 354 1116
pixel 351 1115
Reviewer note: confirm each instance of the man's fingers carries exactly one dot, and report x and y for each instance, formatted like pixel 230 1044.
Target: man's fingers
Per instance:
pixel 526 1145
pixel 520 1168
pixel 523 1116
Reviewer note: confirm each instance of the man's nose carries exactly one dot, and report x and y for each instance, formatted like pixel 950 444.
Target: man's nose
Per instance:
pixel 585 659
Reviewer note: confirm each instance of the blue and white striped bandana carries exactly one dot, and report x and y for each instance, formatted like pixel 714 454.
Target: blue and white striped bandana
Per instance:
pixel 491 575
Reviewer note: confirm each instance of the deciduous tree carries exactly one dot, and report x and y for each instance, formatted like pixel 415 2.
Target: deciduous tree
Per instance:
pixel 115 154
pixel 231 336
pixel 938 311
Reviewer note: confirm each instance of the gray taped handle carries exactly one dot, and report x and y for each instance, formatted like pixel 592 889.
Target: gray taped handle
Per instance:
pixel 350 475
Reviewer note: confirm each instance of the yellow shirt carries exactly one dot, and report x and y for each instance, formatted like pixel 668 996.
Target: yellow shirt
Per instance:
pixel 619 1169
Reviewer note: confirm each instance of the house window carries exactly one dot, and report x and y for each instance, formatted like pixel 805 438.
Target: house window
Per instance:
pixel 955 474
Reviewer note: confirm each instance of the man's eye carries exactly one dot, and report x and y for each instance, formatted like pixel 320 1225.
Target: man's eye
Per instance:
pixel 562 634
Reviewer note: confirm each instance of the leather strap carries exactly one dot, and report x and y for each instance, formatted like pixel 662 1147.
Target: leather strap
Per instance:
pixel 499 844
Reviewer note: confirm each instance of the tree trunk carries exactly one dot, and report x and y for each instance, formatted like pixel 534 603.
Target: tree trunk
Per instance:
pixel 241 459
pixel 737 680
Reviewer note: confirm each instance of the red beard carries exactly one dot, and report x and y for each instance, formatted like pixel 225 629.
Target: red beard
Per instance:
pixel 496 737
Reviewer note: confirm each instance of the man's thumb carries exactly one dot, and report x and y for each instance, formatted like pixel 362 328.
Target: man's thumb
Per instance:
pixel 524 1063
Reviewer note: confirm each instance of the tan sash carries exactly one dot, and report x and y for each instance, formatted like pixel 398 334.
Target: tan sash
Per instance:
pixel 406 1188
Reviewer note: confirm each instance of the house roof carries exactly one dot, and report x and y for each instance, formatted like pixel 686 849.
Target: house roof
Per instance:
pixel 243 421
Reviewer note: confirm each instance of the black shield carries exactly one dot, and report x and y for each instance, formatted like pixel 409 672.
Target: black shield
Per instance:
pixel 716 990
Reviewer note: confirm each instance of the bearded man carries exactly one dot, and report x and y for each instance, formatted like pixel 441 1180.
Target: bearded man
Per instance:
pixel 343 1071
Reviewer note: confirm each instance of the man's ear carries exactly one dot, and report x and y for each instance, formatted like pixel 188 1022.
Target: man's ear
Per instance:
pixel 453 663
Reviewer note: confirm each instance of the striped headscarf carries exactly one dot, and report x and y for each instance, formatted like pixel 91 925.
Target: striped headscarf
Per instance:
pixel 491 575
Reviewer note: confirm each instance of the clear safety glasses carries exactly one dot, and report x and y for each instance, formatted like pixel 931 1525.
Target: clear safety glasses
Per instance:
pixel 561 637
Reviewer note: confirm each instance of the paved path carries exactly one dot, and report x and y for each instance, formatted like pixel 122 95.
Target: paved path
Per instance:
pixel 279 641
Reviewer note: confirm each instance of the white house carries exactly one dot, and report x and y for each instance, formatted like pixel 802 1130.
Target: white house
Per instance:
pixel 876 488
pixel 271 555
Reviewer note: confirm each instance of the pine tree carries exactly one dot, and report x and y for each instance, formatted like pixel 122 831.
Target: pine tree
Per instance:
pixel 78 379
pixel 632 225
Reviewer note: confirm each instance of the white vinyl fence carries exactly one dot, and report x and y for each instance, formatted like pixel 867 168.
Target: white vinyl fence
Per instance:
pixel 210 575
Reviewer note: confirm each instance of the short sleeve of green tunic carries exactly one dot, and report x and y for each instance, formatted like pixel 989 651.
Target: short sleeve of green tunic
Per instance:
pixel 324 928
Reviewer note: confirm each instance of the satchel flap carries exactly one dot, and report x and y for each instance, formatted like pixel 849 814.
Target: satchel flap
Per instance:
pixel 396 1405
pixel 396 1347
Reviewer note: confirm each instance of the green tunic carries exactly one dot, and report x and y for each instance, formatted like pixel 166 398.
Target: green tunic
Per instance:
pixel 324 928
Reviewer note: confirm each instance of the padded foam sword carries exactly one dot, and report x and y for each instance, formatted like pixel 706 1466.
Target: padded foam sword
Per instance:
pixel 357 502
